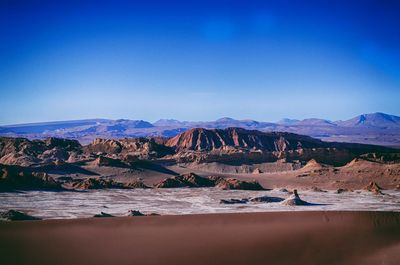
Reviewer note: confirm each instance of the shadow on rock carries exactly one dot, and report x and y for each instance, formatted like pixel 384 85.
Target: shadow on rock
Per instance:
pixel 13 215
pixel 294 200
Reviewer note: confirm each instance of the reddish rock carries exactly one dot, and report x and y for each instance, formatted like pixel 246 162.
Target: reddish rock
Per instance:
pixel 235 184
pixel 189 180
pixel 316 189
pixel 144 148
pixel 19 178
pixel 294 200
pixel 205 139
pixel 257 171
pixel 136 184
pixel 97 183
pixel 103 161
pixel 341 190
pixel 373 187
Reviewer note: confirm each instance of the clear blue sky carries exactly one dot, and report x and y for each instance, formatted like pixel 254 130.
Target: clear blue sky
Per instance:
pixel 198 60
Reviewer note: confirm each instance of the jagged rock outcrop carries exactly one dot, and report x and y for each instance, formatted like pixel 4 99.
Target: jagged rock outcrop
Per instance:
pixel 312 165
pixel 136 184
pixel 223 139
pixel 235 184
pixel 257 171
pixel 373 187
pixel 236 145
pixel 19 178
pixel 19 159
pixel 108 146
pixel 382 157
pixel 24 152
pixel 56 154
pixel 294 200
pixel 98 183
pixel 65 144
pixel 13 215
pixel 341 190
pixel 192 180
pixel 355 162
pixel 103 183
pixel 189 180
pixel 135 213
pixel 143 148
pixel 103 214
pixel 103 161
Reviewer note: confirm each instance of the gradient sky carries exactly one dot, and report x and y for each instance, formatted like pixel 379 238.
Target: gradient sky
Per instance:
pixel 198 60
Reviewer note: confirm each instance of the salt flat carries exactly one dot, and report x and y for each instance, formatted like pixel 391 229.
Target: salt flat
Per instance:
pixel 57 205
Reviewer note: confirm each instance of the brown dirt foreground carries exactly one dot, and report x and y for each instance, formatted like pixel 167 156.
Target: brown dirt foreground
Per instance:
pixel 251 238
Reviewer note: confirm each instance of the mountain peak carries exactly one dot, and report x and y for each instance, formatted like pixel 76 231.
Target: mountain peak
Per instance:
pixel 167 122
pixel 225 119
pixel 315 122
pixel 377 119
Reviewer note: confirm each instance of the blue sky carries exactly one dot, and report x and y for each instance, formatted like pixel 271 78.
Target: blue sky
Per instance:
pixel 198 60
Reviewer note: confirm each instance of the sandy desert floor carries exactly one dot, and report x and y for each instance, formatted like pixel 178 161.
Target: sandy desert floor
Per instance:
pixel 354 175
pixel 245 238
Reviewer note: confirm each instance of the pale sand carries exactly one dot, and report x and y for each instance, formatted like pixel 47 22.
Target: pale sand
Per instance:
pixel 251 238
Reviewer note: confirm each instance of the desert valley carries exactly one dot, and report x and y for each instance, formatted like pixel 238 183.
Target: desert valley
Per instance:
pixel 224 132
pixel 212 172
pixel 227 159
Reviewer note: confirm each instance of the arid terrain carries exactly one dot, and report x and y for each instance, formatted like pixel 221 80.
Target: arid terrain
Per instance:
pixel 239 132
pixel 275 160
pixel 329 193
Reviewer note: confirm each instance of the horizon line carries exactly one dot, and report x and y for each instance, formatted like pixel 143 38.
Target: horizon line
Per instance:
pixel 152 122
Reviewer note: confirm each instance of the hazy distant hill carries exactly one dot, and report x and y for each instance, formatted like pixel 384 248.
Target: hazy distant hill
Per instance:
pixel 376 128
pixel 380 120
pixel 43 127
pixel 314 122
pixel 287 121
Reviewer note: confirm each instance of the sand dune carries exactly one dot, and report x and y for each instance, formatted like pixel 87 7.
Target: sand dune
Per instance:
pixel 256 238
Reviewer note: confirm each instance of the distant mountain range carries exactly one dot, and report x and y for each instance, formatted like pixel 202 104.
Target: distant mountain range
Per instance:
pixel 375 128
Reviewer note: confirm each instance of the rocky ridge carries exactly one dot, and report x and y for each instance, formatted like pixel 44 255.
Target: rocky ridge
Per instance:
pixel 31 163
